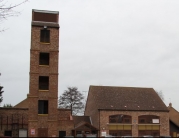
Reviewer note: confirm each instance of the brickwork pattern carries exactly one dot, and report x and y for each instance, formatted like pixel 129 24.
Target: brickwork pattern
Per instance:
pixel 65 123
pixel 50 120
pixel 37 45
pixel 9 116
pixel 164 120
pixel 56 120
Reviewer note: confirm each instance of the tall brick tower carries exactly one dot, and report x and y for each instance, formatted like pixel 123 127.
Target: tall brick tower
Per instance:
pixel 43 87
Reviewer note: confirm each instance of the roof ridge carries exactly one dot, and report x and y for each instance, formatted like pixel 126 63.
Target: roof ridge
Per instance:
pixel 120 86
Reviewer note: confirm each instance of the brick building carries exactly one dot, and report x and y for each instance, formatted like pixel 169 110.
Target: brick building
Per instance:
pixel 43 87
pixel 109 110
pixel 83 126
pixel 174 121
pixel 44 119
pixel 13 122
pixel 127 111
pixel 38 115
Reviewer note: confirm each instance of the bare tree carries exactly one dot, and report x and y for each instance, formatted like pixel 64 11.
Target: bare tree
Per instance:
pixel 7 10
pixel 72 99
pixel 160 94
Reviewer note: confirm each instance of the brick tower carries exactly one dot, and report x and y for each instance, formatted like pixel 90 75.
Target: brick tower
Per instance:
pixel 43 87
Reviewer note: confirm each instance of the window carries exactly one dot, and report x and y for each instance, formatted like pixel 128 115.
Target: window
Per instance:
pixel 44 59
pixel 148 119
pixel 127 120
pixel 120 119
pixel 62 134
pixel 149 132
pixel 43 107
pixel 119 133
pixel 7 133
pixel 45 36
pixel 142 120
pixel 43 83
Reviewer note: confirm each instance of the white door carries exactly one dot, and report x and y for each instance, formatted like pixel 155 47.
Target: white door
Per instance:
pixel 22 132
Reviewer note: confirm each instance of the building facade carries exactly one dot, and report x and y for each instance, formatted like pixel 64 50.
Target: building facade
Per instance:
pixel 83 127
pixel 38 115
pixel 127 111
pixel 43 87
pixel 13 122
pixel 117 111
pixel 174 121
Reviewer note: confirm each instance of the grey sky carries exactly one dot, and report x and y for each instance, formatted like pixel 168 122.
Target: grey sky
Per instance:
pixel 102 42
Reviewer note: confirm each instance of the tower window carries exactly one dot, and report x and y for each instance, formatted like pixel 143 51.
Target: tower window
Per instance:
pixel 45 36
pixel 43 107
pixel 44 59
pixel 43 83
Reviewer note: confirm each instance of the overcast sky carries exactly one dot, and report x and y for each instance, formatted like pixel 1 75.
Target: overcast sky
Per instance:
pixel 132 43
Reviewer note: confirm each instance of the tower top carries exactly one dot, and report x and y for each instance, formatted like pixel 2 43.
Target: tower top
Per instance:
pixel 45 18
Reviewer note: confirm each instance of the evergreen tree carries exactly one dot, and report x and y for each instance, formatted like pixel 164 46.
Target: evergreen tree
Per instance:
pixel 7 105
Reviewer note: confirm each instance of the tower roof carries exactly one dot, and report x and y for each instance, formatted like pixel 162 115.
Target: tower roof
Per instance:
pixel 45 18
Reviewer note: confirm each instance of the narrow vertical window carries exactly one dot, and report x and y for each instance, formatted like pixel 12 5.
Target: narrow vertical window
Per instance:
pixel 44 59
pixel 45 36
pixel 43 83
pixel 43 107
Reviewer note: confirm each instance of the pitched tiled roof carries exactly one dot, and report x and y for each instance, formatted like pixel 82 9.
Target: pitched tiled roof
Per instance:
pixel 83 122
pixel 85 126
pixel 174 115
pixel 124 98
pixel 79 119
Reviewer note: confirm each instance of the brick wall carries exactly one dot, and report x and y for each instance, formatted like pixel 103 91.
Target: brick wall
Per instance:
pixel 65 122
pixel 55 120
pixel 164 120
pixel 50 120
pixel 13 119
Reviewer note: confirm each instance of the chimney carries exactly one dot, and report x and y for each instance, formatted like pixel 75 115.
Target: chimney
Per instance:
pixel 170 104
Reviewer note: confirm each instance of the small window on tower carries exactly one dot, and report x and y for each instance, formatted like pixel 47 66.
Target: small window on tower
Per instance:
pixel 43 107
pixel 45 36
pixel 43 83
pixel 44 59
